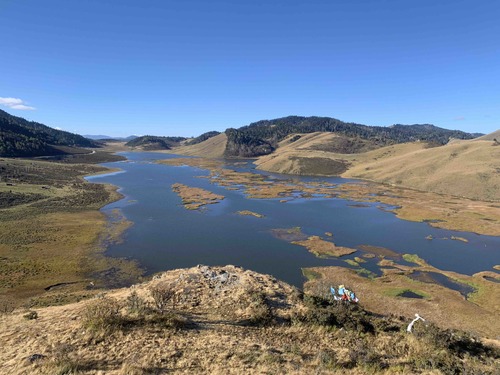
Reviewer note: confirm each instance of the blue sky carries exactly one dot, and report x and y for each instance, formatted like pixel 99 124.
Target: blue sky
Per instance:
pixel 189 66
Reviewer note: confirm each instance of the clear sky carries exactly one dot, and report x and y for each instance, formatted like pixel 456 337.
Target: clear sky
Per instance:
pixel 188 66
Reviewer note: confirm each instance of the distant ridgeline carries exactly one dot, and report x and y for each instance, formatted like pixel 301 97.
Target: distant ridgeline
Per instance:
pixel 20 137
pixel 262 137
pixel 151 142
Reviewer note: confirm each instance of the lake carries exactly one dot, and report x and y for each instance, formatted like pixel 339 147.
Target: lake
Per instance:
pixel 166 236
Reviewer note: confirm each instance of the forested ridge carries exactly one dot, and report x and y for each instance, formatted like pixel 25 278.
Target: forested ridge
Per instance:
pixel 262 137
pixel 151 142
pixel 20 137
pixel 202 137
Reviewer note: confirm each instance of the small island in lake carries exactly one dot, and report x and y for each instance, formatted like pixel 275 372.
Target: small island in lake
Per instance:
pixel 194 198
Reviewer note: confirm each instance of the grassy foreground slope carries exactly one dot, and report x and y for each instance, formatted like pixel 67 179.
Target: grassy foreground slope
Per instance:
pixel 226 320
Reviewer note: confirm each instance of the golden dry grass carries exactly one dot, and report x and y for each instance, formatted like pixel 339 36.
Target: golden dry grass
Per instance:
pixel 462 168
pixel 194 198
pixel 467 169
pixel 444 307
pixel 250 213
pixel 211 148
pixel 213 337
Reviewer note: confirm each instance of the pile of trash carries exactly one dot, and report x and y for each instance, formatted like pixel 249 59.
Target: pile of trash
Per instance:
pixel 343 294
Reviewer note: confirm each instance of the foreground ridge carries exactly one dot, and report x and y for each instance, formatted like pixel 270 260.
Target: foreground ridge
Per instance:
pixel 226 320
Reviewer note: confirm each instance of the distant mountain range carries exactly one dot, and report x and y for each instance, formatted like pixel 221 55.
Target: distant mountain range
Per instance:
pixel 20 137
pixel 107 137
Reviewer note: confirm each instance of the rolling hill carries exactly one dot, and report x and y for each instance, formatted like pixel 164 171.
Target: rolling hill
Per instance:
pixel 150 142
pixel 20 137
pixel 266 136
pixel 468 168
pixel 263 137
pixel 213 147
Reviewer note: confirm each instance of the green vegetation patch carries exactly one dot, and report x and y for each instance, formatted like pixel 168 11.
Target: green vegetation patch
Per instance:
pixel 414 258
pixel 366 273
pixel 309 274
pixel 51 232
pixel 351 262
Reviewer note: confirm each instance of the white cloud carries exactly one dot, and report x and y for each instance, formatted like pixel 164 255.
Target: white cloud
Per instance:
pixel 16 103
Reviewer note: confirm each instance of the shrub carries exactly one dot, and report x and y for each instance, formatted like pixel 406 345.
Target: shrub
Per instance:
pixel 260 312
pixel 135 304
pixel 322 311
pixel 102 316
pixel 162 294
pixel 6 306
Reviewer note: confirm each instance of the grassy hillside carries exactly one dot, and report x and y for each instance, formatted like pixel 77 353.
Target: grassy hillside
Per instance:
pixel 226 320
pixel 461 168
pixel 262 137
pixel 491 136
pixel 468 168
pixel 213 147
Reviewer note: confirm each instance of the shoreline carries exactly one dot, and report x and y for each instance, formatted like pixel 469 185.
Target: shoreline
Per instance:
pixel 60 238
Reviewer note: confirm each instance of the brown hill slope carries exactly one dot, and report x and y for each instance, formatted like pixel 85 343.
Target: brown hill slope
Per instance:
pixel 225 320
pixel 490 137
pixel 211 148
pixel 469 168
pixel 464 168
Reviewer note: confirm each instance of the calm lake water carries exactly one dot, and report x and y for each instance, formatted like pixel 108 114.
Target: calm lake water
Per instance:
pixel 167 236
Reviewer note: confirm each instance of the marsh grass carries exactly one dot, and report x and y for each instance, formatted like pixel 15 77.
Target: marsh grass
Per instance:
pixel 35 235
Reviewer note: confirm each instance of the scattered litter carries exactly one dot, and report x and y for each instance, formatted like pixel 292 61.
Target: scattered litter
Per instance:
pixel 410 326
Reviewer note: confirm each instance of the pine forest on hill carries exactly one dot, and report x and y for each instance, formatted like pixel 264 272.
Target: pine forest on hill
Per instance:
pixel 262 137
pixel 20 137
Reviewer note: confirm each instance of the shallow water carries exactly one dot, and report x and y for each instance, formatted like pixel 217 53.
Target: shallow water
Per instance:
pixel 440 279
pixel 167 236
pixel 410 294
